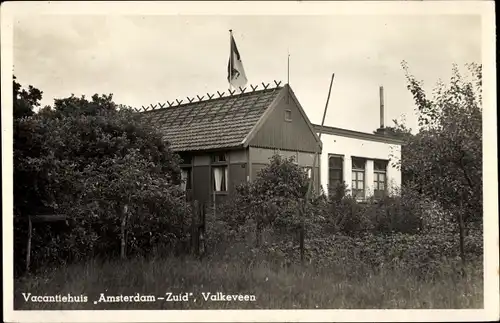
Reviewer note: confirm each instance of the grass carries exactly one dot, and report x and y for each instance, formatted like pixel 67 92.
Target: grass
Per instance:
pixel 275 287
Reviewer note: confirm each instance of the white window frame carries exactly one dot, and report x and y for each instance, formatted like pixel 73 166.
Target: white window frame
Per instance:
pixel 358 193
pixel 376 181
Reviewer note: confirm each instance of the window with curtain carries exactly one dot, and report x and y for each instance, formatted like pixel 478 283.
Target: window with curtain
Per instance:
pixel 220 178
pixel 185 179
pixel 335 171
pixel 358 177
pixel 379 178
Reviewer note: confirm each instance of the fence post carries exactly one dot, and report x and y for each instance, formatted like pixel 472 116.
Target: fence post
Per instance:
pixel 123 246
pixel 28 251
pixel 201 230
pixel 194 229
pixel 302 232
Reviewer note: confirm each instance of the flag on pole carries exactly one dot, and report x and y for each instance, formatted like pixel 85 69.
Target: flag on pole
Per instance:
pixel 235 72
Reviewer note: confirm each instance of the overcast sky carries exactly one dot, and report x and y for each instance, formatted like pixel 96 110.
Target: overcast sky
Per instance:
pixel 150 59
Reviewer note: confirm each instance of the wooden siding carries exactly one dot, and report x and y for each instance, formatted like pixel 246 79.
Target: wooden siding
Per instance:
pixel 237 156
pixel 237 175
pixel 201 160
pixel 307 159
pixel 259 158
pixel 201 183
pixel 260 155
pixel 277 133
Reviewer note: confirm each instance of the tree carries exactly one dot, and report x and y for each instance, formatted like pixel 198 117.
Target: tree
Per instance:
pixel 444 159
pixel 25 100
pixel 98 163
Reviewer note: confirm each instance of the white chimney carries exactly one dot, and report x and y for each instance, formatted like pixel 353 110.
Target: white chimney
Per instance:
pixel 381 107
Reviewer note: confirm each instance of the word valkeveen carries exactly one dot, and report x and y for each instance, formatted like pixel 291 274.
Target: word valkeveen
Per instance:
pixel 221 297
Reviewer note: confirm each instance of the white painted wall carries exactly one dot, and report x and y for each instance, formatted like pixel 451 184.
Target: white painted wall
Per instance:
pixel 349 147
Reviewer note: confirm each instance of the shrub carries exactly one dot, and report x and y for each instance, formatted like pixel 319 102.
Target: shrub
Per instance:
pixel 400 212
pixel 91 159
pixel 264 209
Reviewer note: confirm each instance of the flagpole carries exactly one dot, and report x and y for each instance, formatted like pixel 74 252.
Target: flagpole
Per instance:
pixel 230 57
pixel 288 68
pixel 288 75
pixel 312 179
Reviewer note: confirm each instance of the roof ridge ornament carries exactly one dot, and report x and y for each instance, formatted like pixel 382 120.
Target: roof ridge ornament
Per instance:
pixel 230 93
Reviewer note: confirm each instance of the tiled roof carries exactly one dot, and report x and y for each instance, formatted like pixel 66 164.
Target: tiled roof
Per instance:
pixel 216 123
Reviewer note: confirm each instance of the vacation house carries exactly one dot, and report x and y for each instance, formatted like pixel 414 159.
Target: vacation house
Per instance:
pixel 226 140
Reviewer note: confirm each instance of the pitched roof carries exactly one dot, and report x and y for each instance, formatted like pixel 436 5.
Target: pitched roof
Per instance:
pixel 222 122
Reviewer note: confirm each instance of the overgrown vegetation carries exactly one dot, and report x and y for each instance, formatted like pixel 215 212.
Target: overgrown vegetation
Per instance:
pixel 420 247
pixel 93 161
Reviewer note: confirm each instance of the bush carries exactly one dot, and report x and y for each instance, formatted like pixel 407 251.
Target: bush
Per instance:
pixel 401 212
pixel 91 160
pixel 420 255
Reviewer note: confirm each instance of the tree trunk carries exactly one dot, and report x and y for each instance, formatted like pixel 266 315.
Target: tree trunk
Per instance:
pixel 462 237
pixel 302 234
pixel 123 225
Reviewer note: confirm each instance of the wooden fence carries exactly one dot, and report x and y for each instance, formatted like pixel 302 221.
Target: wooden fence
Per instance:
pixel 196 231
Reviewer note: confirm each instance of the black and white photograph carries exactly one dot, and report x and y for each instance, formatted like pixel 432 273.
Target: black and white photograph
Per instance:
pixel 249 161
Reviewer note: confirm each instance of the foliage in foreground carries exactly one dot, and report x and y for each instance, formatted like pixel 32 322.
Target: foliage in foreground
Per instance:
pixel 443 160
pixel 342 285
pixel 97 163
pixel 414 231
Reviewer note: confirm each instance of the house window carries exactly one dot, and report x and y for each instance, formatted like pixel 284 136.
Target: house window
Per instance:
pixel 186 178
pixel 217 158
pixel 380 178
pixel 335 171
pixel 358 177
pixel 288 115
pixel 219 178
pixel 308 171
pixel 219 172
pixel 186 159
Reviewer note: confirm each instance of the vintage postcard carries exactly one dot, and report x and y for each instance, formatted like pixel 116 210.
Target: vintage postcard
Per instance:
pixel 249 161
